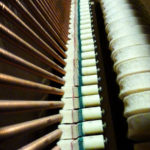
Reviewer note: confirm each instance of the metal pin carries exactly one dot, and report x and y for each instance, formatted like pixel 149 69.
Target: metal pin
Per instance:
pixel 103 111
pixel 98 68
pixel 95 46
pixel 93 35
pixel 92 3
pixel 106 140
pixel 99 78
pixel 101 98
pixel 100 88
pixel 104 125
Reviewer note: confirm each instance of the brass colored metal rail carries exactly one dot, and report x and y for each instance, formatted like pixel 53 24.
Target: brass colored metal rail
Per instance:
pixel 33 45
pixel 10 81
pixel 29 32
pixel 12 59
pixel 28 126
pixel 35 23
pixel 17 41
pixel 22 105
pixel 43 141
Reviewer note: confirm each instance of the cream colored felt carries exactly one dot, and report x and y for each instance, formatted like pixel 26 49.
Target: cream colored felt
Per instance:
pixel 68 144
pixel 88 62
pixel 87 48
pixel 130 40
pixel 130 53
pixel 70 91
pixel 87 101
pixel 133 66
pixel 71 68
pixel 85 22
pixel 70 103
pixel 71 80
pixel 84 4
pixel 139 126
pixel 88 55
pixel 89 143
pixel 71 30
pixel 89 70
pixel 93 142
pixel 138 29
pixel 91 100
pixel 71 65
pixel 71 77
pixel 86 26
pixel 86 36
pixel 69 131
pixel 134 83
pixel 84 10
pixel 92 127
pixel 72 51
pixel 85 16
pixel 71 21
pixel 107 2
pixel 71 40
pixel 137 103
pixel 89 90
pixel 122 23
pixel 92 113
pixel 69 116
pixel 84 13
pixel 72 54
pixel 124 13
pixel 84 7
pixel 118 10
pixel 118 16
pixel 142 146
pixel 86 30
pixel 87 80
pixel 113 5
pixel 87 42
